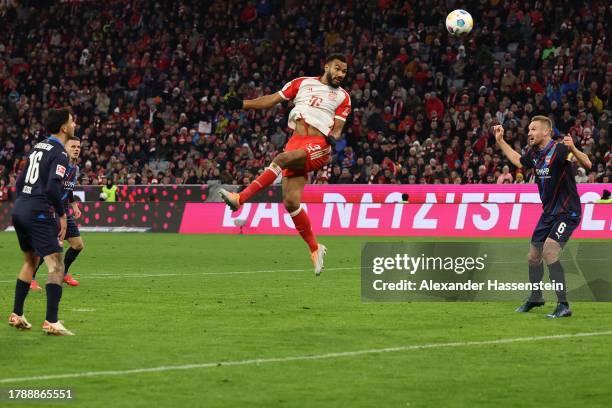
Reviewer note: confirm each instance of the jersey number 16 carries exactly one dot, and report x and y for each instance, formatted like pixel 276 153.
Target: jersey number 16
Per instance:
pixel 32 174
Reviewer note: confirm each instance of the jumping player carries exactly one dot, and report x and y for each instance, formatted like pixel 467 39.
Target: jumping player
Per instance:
pixel 35 218
pixel 321 108
pixel 552 164
pixel 73 235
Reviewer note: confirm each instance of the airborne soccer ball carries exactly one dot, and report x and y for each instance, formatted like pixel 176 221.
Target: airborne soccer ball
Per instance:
pixel 459 22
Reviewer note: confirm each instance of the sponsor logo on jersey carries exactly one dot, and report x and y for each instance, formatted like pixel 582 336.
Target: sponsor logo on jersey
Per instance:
pixel 542 172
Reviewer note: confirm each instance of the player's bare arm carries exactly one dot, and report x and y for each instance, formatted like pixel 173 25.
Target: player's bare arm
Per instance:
pixel 336 131
pixel 263 102
pixel 581 157
pixel 511 154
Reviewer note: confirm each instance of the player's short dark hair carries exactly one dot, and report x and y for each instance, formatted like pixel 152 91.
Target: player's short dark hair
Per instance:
pixel 543 119
pixel 74 138
pixel 56 118
pixel 335 56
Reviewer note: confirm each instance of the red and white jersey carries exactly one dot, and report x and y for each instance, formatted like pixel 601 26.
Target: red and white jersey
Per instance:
pixel 316 103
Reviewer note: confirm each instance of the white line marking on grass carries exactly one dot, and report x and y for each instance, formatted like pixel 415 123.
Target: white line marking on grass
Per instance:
pixel 20 338
pixel 325 356
pixel 164 275
pixel 83 310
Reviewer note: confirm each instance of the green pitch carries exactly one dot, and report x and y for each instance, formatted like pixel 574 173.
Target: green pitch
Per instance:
pixel 162 300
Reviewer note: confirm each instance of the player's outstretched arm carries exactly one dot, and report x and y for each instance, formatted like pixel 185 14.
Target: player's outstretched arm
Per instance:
pixel 582 158
pixel 511 154
pixel 263 102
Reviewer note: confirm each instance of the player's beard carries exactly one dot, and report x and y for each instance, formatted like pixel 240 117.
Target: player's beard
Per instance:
pixel 330 80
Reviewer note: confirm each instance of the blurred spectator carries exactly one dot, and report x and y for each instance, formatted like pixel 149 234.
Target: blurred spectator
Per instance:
pixel 5 193
pixel 605 198
pixel 109 191
pixel 505 177
pixel 581 176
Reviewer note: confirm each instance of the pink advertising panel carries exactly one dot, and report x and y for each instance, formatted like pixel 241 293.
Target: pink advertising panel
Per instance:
pixel 441 193
pixel 376 219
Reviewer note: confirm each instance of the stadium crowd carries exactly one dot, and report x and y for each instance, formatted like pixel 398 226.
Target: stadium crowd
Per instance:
pixel 146 82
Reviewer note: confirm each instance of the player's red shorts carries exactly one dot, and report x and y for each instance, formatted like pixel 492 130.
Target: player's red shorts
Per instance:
pixel 318 154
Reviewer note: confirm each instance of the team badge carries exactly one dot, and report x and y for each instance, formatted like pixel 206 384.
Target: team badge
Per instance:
pixel 333 95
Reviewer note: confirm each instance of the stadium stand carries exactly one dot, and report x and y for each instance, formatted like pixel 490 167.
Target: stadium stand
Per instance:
pixel 145 80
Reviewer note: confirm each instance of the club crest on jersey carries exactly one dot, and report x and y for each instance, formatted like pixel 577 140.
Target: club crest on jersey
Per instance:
pixel 60 170
pixel 333 95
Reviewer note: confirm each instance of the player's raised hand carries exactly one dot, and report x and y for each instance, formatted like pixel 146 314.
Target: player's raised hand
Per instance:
pixel 232 102
pixel 569 142
pixel 498 131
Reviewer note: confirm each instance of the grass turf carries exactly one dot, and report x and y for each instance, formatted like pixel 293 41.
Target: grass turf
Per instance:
pixel 201 312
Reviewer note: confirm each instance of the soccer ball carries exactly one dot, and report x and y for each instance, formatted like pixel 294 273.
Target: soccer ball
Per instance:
pixel 459 22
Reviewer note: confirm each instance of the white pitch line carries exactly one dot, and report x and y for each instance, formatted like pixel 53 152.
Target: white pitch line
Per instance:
pixel 325 356
pixel 163 275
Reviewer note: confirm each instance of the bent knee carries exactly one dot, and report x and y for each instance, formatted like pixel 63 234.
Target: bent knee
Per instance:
pixel 550 254
pixel 291 205
pixel 56 269
pixel 534 258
